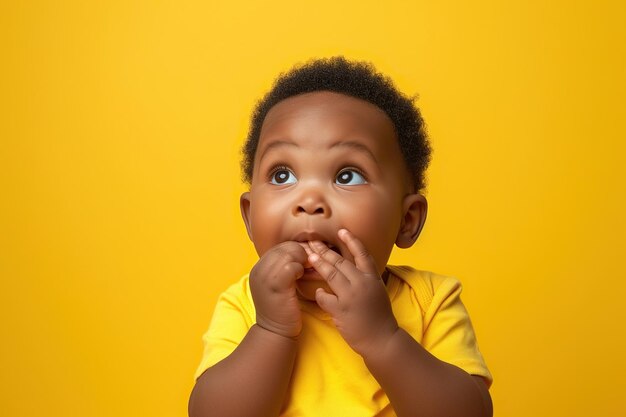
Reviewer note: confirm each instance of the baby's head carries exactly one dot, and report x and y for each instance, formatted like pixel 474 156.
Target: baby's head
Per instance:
pixel 334 145
pixel 355 79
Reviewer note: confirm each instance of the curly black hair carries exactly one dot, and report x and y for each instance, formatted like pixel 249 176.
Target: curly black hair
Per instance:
pixel 356 79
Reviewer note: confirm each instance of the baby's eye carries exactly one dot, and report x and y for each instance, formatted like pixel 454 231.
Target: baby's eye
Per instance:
pixel 350 177
pixel 282 176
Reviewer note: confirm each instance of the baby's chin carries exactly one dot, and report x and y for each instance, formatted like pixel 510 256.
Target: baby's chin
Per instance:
pixel 306 288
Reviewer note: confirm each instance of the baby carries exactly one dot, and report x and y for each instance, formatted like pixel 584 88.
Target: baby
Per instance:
pixel 322 326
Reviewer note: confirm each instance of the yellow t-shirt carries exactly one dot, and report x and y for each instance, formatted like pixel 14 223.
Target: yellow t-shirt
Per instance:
pixel 328 375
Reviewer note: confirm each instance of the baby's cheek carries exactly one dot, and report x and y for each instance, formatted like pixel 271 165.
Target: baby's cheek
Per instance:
pixel 377 232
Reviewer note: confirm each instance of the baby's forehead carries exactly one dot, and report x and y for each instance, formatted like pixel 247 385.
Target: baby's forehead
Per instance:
pixel 323 125
pixel 324 111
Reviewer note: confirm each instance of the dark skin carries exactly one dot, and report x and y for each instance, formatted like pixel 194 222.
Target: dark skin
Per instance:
pixel 320 155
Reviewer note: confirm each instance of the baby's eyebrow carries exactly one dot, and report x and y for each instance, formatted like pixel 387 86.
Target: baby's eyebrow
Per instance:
pixel 276 144
pixel 355 145
pixel 342 143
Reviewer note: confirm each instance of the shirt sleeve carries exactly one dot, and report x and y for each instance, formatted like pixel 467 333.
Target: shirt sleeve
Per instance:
pixel 448 331
pixel 232 318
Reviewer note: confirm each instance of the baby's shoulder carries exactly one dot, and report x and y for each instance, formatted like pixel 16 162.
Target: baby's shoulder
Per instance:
pixel 420 285
pixel 422 280
pixel 238 295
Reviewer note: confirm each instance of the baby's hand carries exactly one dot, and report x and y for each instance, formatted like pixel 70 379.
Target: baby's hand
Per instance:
pixel 273 288
pixel 360 306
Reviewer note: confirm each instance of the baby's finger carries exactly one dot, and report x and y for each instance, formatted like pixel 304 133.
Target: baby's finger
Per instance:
pixel 327 302
pixel 294 251
pixel 308 251
pixel 306 247
pixel 290 273
pixel 336 280
pixel 334 258
pixel 362 259
pixel 275 278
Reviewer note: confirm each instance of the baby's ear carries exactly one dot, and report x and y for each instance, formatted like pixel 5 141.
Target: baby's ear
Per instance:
pixel 414 208
pixel 244 206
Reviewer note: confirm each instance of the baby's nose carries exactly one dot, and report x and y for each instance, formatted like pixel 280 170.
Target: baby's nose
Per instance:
pixel 313 204
pixel 311 210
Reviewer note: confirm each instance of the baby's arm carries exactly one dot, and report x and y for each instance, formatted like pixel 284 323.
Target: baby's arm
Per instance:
pixel 419 384
pixel 416 382
pixel 253 380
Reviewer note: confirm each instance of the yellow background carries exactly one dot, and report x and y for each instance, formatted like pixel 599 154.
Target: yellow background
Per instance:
pixel 120 128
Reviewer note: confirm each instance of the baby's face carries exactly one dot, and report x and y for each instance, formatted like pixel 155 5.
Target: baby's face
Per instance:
pixel 326 161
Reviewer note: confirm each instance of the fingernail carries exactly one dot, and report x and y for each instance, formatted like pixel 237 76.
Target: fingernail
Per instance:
pixel 314 257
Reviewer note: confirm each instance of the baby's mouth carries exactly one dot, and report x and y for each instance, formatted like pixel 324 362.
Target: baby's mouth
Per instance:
pixel 305 245
pixel 327 244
